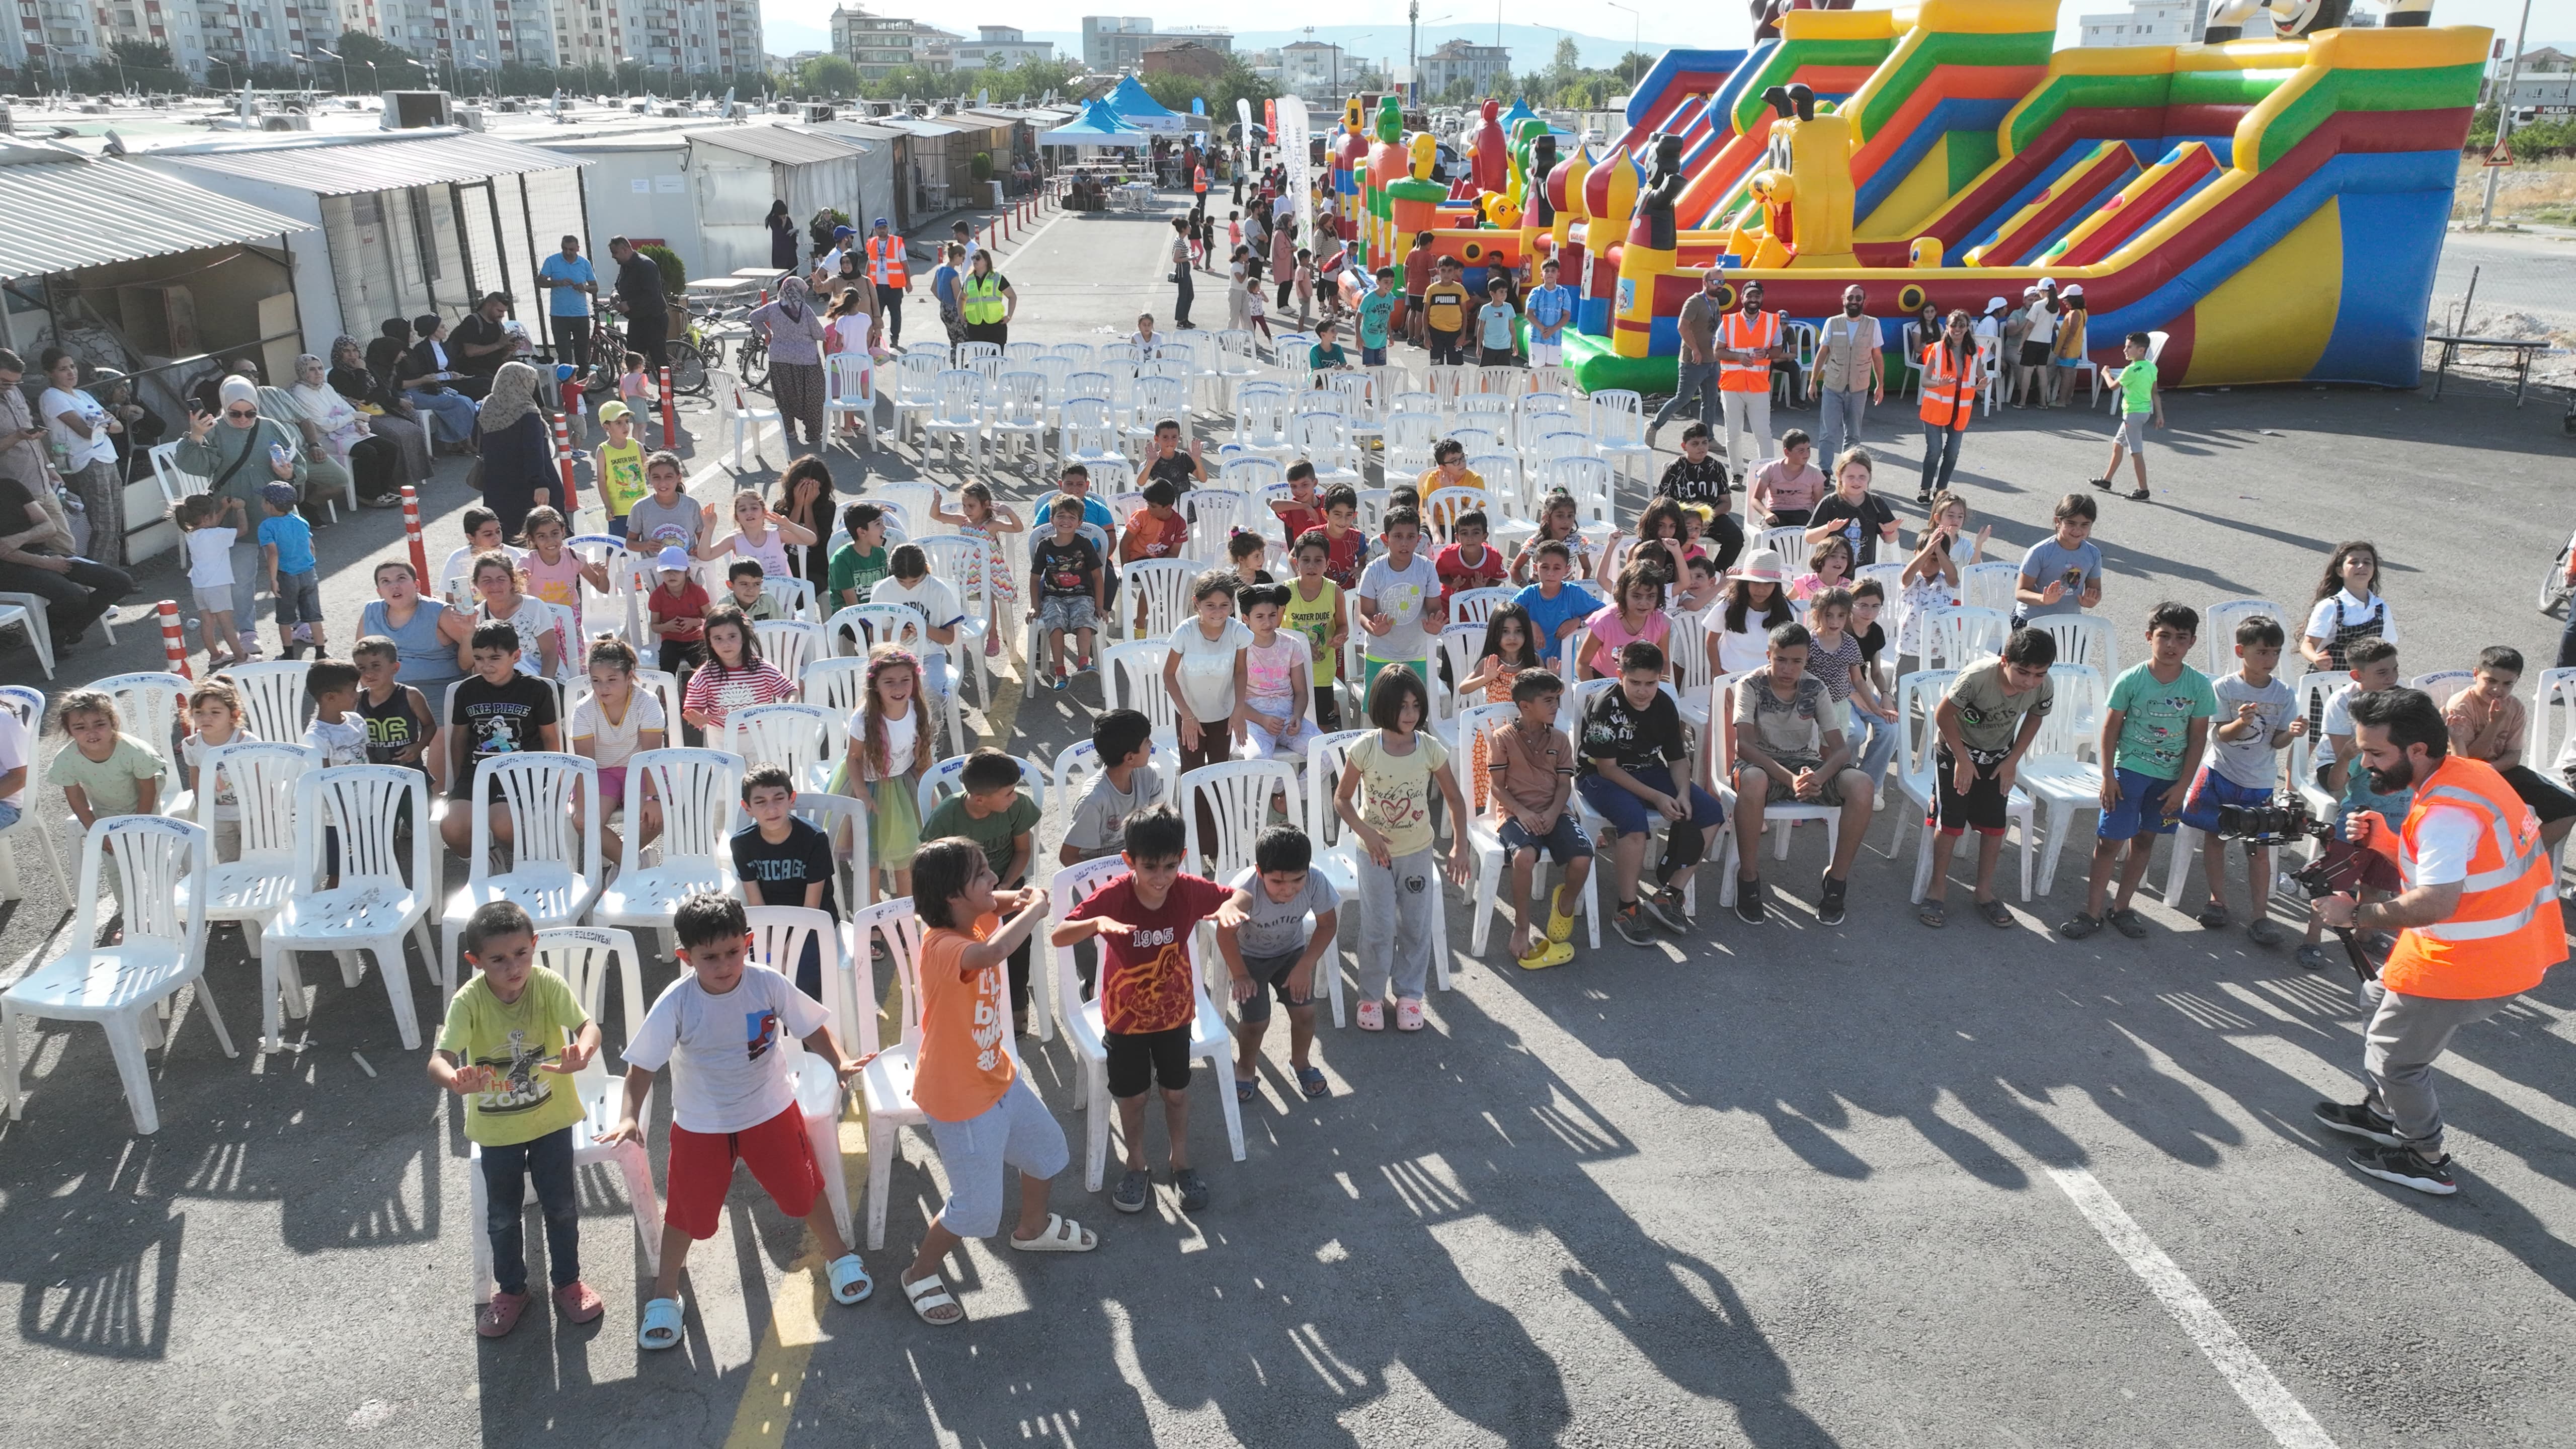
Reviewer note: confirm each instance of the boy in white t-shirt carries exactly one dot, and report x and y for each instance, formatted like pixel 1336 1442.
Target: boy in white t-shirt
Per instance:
pixel 1399 601
pixel 721 1028
pixel 911 582
pixel 2255 721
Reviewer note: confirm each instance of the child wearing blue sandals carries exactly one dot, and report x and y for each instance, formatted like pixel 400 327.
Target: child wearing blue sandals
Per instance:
pixel 721 1030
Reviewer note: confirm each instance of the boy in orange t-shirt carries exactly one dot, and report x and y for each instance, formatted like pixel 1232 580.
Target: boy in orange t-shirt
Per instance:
pixel 983 1114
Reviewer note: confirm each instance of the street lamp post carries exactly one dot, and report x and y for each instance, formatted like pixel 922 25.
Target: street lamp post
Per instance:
pixel 344 66
pixel 2504 116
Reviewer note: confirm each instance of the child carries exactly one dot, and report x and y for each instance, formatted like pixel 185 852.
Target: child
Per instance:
pixel 1786 490
pixel 1658 545
pixel 889 752
pixel 1400 762
pixel 1930 579
pixel 2348 608
pixel 733 1099
pixel 1790 745
pixel 286 556
pixel 992 810
pixel 1144 919
pixel 1444 313
pixel 619 465
pixel 1346 546
pixel 743 580
pixel 1156 530
pixel 2250 728
pixel 678 608
pixel 1555 608
pixel 1632 736
pixel 555 573
pixel 496 711
pixel 1123 740
pixel 2156 719
pixel 1301 510
pixel 634 388
pixel 1199 673
pixel 782 856
pixel 733 677
pixel 1274 952
pixel 1065 588
pixel 1467 563
pixel 1248 555
pixel 2487 725
pixel 1698 475
pixel 611 723
pixel 1531 777
pixel 210 522
pixel 1272 679
pixel 1377 311
pixel 2141 402
pixel 1867 719
pixel 2062 574
pixel 2340 768
pixel 1400 603
pixel 335 733
pixel 862 563
pixel 482 528
pixel 1420 271
pixel 1314 609
pixel 1986 721
pixel 1639 614
pixel 495 584
pixel 1852 512
pixel 1327 354
pixel 214 720
pixel 1700 590
pixel 665 518
pixel 1511 646
pixel 1550 305
pixel 400 729
pixel 1256 312
pixel 984 1116
pixel 1495 321
pixel 761 534
pixel 932 598
pixel 987 571
pixel 106 772
pixel 514 1037
pixel 1556 524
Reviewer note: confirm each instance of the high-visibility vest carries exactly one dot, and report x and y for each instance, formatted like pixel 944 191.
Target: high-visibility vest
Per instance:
pixel 1198 180
pixel 1949 393
pixel 983 299
pixel 885 262
pixel 1759 332
pixel 2506 933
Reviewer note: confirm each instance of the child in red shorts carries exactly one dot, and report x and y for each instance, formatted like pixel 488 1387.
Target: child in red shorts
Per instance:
pixel 722 1027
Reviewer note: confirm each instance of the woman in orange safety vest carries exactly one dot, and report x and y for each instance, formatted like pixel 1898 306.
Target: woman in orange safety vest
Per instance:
pixel 1949 400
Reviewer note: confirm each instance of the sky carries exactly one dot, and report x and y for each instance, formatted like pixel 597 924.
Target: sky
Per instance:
pixel 1663 23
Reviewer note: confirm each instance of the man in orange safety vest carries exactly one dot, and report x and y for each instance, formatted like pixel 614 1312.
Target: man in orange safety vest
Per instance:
pixel 886 270
pixel 1749 340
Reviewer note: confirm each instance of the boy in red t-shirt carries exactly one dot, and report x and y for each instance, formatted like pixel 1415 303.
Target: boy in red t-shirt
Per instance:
pixel 984 1115
pixel 1156 530
pixel 1342 532
pixel 678 608
pixel 1147 1004
pixel 1301 510
pixel 1467 563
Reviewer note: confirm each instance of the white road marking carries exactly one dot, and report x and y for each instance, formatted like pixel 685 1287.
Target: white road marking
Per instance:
pixel 2279 1411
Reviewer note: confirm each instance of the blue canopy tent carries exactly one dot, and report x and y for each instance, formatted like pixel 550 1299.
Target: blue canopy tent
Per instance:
pixel 1137 107
pixel 1098 125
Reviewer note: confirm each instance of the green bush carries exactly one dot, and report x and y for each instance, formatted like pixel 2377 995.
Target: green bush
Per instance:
pixel 981 167
pixel 675 275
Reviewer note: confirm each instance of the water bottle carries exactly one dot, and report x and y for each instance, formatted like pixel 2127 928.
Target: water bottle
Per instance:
pixel 278 454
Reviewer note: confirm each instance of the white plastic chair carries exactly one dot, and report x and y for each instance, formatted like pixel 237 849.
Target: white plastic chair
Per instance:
pixel 788 643
pixel 1078 763
pixel 272 696
pixel 38 629
pixel 1162 587
pixel 2444 685
pixel 2060 782
pixel 1237 795
pixel 941 782
pixel 124 988
pixel 1919 697
pixel 1989 586
pixel 1131 677
pixel 956 414
pixel 885 1086
pixel 1789 541
pixel 1484 838
pixel 795 598
pixel 968 566
pixel 804 739
pixel 151 705
pixel 554 872
pixel 1787 815
pixel 585 956
pixel 250 889
pixel 1016 409
pixel 1250 473
pixel 742 421
pixel 1957 638
pixel 28 705
pixel 699 791
pixel 850 391
pixel 2218 631
pixel 376 905
pixel 2315 689
pixel 779 938
pixel 1087 435
pixel 2081 639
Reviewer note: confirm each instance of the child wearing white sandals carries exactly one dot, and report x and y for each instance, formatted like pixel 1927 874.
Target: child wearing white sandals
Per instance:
pixel 984 1115
pixel 720 1027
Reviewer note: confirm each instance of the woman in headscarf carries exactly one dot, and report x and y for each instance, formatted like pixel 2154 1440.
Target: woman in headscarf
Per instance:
pixel 240 453
pixel 326 474
pixel 782 237
pixel 518 449
pixel 374 464
pixel 388 417
pixel 795 328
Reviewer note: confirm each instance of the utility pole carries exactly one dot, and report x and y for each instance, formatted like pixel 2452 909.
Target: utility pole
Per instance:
pixel 1413 50
pixel 2504 116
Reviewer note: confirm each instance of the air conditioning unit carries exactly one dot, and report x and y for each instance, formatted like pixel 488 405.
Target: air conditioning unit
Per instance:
pixel 285 121
pixel 817 112
pixel 470 117
pixel 411 110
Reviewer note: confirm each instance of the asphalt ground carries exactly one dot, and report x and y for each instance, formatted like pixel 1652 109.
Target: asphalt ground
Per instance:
pixel 1779 1186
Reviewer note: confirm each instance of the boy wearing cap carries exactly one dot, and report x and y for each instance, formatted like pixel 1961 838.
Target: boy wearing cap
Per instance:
pixel 679 610
pixel 286 556
pixel 620 462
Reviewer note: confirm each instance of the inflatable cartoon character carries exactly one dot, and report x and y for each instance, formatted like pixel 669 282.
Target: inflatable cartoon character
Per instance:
pixel 1804 188
pixel 1414 202
pixel 1350 158
pixel 1486 165
pixel 1388 163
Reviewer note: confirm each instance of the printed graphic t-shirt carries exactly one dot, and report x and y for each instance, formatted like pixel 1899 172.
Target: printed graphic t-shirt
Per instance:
pixel 1145 975
pixel 728 1063
pixel 516 1038
pixel 965 1065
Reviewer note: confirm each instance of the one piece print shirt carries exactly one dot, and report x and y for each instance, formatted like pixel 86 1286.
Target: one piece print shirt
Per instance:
pixel 727 1054
pixel 1145 974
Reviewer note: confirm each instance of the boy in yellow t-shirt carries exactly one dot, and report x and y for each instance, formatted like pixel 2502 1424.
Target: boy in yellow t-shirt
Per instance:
pixel 514 1038
pixel 1315 610
pixel 620 462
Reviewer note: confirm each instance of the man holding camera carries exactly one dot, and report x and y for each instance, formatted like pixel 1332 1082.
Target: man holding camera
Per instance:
pixel 2478 924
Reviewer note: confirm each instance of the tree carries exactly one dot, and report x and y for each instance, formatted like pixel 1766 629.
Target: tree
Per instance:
pixel 827 76
pixel 1567 62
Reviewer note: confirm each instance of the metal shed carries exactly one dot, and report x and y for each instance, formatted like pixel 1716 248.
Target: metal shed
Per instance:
pixel 738 171
pixel 885 169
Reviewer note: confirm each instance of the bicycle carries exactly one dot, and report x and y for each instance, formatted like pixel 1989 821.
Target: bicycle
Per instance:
pixel 2554 591
pixel 751 345
pixel 680 355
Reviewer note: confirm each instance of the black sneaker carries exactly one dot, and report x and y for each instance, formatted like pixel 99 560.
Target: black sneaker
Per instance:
pixel 2403 1167
pixel 1671 897
pixel 2359 1119
pixel 1829 901
pixel 1658 907
pixel 1630 922
pixel 1193 1188
pixel 1748 901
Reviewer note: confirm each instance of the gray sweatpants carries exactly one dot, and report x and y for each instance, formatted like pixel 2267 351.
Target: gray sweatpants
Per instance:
pixel 1838 422
pixel 2405 1036
pixel 1404 896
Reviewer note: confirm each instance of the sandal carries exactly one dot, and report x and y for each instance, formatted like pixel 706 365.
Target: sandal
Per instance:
pixel 500 1315
pixel 1933 912
pixel 2213 915
pixel 1061 1235
pixel 1372 1016
pixel 1408 1014
pixel 2128 924
pixel 1996 913
pixel 2079 926
pixel 1245 1089
pixel 931 1295
pixel 850 1282
pixel 1311 1082
pixel 660 1327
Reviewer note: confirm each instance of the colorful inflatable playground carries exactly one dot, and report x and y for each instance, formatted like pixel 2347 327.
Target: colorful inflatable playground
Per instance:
pixel 2274 206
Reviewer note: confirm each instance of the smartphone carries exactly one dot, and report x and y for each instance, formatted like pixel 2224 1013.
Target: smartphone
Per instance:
pixel 2074 580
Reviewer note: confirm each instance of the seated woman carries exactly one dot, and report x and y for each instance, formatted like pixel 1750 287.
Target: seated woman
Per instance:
pixel 343 436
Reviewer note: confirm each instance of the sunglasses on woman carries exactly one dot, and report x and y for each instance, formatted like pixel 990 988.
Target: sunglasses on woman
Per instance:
pixel 241 412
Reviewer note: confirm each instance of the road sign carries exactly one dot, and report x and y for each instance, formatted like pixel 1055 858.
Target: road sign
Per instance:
pixel 2501 155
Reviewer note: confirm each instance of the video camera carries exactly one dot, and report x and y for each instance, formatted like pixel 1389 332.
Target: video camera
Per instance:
pixel 2339 866
pixel 2277 821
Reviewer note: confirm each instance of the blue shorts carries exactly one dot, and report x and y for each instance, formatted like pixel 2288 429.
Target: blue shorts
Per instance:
pixel 1563 842
pixel 2211 790
pixel 617 527
pixel 1627 815
pixel 2142 807
pixel 299 597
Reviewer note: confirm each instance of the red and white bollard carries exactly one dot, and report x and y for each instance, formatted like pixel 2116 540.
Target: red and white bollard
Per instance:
pixel 670 415
pixel 563 460
pixel 174 647
pixel 411 535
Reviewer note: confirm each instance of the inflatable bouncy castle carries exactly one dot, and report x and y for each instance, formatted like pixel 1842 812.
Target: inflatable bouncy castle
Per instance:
pixel 2276 206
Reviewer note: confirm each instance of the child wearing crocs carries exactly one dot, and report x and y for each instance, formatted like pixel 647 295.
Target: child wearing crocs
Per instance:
pixel 514 1037
pixel 1533 767
pixel 1144 919
pixel 2156 720
pixel 720 1028
pixel 1275 952
pixel 1384 799
pixel 984 1115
